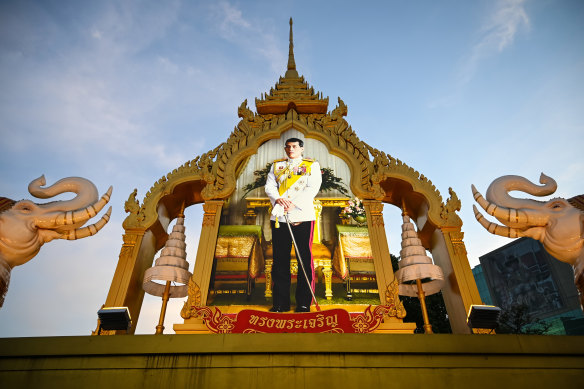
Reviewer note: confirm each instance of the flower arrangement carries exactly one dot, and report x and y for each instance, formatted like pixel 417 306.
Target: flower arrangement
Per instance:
pixel 354 209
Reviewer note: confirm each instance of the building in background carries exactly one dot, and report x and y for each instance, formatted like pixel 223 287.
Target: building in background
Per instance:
pixel 479 277
pixel 522 272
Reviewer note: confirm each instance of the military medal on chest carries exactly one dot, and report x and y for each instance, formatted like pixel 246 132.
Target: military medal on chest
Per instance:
pixel 290 176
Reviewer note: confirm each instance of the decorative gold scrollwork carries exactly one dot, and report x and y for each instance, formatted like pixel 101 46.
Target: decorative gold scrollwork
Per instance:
pixel 449 210
pixel 456 238
pixel 376 209
pixel 193 300
pixel 132 205
pixel 210 209
pixel 392 299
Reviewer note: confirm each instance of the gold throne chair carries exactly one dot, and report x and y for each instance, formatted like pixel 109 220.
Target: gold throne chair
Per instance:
pixel 353 259
pixel 238 259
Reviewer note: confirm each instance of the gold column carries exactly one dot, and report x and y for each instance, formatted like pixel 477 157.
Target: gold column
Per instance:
pixel 379 247
pixel 268 272
pixel 317 238
pixel 327 271
pixel 206 250
pixel 460 291
pixel 126 288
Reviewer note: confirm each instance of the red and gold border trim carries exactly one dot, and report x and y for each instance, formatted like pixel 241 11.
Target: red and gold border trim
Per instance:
pixel 332 321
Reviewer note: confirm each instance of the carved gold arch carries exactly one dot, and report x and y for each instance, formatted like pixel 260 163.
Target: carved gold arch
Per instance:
pixel 374 174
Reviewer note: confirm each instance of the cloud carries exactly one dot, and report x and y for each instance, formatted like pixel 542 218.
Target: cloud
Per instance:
pixel 232 19
pixel 130 27
pixel 251 36
pixel 505 23
pixel 497 34
pixel 92 95
pixel 96 33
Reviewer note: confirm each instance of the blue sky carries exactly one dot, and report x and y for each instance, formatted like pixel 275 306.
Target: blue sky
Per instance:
pixel 124 92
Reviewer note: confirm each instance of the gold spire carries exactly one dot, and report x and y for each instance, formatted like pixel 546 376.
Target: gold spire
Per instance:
pixel 291 92
pixel 291 72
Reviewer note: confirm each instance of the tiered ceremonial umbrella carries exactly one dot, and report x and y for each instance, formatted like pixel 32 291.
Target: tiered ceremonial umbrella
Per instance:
pixel 172 266
pixel 417 275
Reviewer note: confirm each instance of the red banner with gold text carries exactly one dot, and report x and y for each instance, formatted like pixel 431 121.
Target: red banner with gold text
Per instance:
pixel 254 321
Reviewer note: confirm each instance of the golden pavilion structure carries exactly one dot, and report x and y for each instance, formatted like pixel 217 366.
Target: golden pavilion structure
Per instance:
pixel 216 179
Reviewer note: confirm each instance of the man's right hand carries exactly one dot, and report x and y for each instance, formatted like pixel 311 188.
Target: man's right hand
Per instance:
pixel 287 204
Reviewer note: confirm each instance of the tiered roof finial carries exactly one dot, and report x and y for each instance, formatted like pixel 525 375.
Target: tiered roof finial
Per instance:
pixel 417 275
pixel 172 266
pixel 291 91
pixel 291 72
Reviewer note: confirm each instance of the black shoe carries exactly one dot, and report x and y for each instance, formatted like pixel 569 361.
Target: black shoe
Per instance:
pixel 302 308
pixel 276 308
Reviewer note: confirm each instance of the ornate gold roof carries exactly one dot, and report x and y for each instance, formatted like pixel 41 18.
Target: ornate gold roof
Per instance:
pixel 291 91
pixel 374 174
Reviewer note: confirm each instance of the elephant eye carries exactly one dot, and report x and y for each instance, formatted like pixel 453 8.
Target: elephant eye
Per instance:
pixel 23 207
pixel 557 205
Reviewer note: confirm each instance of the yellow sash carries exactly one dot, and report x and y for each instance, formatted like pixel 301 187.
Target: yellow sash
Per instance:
pixel 287 178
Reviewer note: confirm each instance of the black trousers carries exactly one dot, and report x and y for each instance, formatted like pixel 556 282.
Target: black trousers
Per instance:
pixel 282 246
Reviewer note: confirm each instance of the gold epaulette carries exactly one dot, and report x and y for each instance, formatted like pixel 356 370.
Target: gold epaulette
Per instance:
pixel 280 160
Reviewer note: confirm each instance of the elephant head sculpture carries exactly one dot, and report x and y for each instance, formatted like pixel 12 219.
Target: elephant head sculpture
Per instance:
pixel 26 226
pixel 558 224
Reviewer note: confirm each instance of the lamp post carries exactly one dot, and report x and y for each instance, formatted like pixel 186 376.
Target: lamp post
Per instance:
pixel 172 266
pixel 417 275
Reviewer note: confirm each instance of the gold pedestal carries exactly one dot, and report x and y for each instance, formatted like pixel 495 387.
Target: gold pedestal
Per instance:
pixel 390 325
pixel 191 326
pixel 393 325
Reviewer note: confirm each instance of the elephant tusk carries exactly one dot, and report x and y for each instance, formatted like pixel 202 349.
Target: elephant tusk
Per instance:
pixel 90 230
pixel 501 213
pixel 494 228
pixel 83 215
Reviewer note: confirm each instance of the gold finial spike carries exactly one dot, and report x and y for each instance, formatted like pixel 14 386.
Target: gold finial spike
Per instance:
pixel 182 210
pixel 291 72
pixel 404 211
pixel 291 63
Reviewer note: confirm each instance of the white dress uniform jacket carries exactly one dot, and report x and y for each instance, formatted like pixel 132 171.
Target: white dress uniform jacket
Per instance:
pixel 302 199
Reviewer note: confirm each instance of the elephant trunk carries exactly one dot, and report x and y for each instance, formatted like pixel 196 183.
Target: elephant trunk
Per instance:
pixel 70 220
pixel 86 193
pixel 498 191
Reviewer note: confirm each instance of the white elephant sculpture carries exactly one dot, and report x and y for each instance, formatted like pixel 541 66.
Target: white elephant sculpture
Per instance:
pixel 558 224
pixel 26 226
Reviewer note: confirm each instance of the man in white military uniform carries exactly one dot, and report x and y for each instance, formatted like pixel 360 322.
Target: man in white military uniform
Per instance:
pixel 291 185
